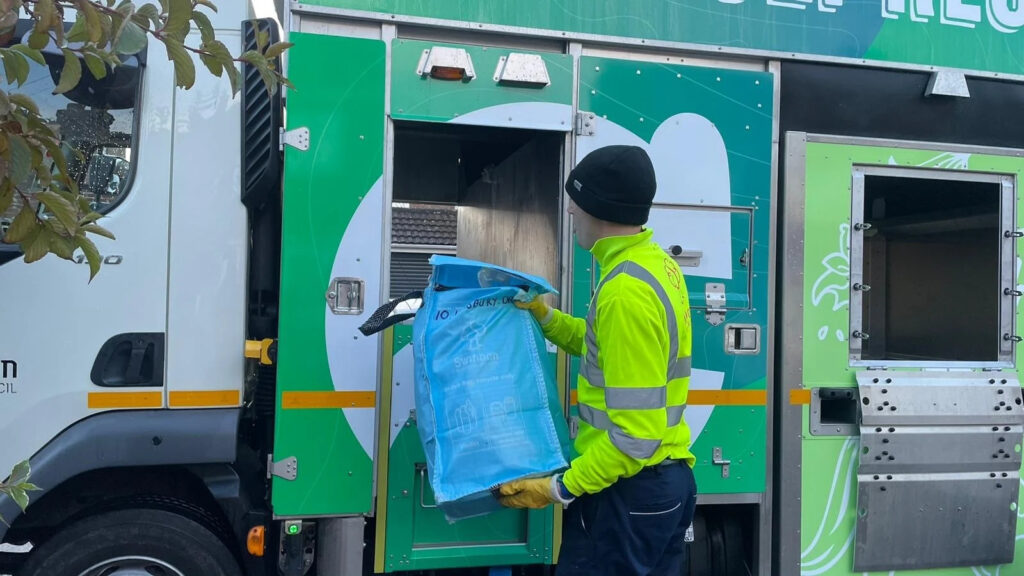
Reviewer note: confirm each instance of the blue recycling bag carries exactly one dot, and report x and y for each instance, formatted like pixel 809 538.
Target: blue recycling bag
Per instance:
pixel 486 402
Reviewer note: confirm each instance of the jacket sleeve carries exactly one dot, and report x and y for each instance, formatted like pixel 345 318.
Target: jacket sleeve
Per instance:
pixel 633 354
pixel 566 332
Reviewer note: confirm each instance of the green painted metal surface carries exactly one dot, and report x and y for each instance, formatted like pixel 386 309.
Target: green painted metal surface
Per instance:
pixel 418 537
pixel 416 97
pixel 323 187
pixel 829 469
pixel 678 112
pixel 953 33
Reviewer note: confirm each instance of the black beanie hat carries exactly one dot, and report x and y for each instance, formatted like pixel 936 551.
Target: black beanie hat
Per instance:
pixel 615 184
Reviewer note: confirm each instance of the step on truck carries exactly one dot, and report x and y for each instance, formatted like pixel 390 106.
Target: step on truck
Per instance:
pixel 839 182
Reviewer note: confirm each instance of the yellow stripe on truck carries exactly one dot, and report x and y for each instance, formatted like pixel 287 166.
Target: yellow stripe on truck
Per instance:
pixel 204 398
pixel 107 400
pixel 321 400
pixel 716 398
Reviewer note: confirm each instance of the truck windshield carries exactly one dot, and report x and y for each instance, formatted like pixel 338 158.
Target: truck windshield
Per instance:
pixel 95 121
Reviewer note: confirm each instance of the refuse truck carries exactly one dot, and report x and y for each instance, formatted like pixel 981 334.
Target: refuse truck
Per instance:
pixel 839 182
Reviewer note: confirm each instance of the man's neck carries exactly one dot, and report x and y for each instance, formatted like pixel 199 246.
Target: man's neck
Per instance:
pixel 609 229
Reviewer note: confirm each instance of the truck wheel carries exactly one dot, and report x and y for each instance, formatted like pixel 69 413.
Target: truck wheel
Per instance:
pixel 132 543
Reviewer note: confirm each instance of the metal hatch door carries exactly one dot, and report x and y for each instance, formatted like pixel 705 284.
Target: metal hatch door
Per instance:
pixel 939 471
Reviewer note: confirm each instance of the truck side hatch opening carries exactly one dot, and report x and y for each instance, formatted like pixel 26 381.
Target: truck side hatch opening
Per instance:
pixel 929 264
pixel 488 194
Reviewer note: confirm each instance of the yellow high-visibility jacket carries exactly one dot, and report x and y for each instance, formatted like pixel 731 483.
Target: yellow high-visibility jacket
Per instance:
pixel 635 374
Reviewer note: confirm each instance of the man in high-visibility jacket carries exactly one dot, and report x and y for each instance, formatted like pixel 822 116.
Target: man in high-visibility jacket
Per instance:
pixel 631 493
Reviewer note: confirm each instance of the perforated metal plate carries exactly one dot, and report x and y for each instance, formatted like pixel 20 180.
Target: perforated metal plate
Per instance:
pixel 939 469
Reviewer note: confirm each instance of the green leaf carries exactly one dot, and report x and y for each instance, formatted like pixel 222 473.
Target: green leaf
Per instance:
pixel 184 68
pixel 30 52
pixel 21 158
pixel 232 76
pixel 20 497
pixel 132 39
pixel 126 8
pixel 97 67
pixel 214 65
pixel 57 154
pixel 29 487
pixel 262 37
pixel 205 26
pixel 5 103
pixel 6 195
pixel 276 50
pixel 79 31
pixel 15 67
pixel 99 230
pixel 91 216
pixel 9 19
pixel 43 175
pixel 23 226
pixel 221 53
pixel 63 248
pixel 25 102
pixel 38 40
pixel 91 254
pixel 208 4
pixel 92 20
pixel 71 74
pixel 151 12
pixel 20 474
pixel 44 12
pixel 61 208
pixel 179 16
pixel 269 79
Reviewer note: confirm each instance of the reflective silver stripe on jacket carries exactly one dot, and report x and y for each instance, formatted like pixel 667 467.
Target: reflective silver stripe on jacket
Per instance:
pixel 632 398
pixel 677 367
pixel 631 446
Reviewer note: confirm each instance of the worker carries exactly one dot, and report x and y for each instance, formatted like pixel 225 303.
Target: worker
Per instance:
pixel 631 492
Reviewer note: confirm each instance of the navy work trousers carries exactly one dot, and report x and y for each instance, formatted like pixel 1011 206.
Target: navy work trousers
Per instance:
pixel 634 527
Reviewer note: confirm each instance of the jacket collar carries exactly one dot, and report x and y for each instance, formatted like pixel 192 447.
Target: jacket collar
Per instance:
pixel 608 250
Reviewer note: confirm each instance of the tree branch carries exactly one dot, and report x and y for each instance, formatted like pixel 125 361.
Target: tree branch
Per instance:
pixel 112 12
pixel 28 202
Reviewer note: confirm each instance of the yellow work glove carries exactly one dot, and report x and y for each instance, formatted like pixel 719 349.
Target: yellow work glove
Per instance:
pixel 538 309
pixel 532 493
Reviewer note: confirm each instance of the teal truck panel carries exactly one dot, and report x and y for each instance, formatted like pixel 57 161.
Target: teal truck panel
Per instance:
pixel 708 132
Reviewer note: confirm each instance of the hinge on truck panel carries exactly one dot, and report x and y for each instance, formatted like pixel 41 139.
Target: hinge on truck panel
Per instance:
pixel 718 460
pixel 287 468
pixel 297 138
pixel 585 122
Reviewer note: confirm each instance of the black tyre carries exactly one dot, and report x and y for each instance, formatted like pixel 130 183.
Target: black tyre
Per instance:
pixel 137 542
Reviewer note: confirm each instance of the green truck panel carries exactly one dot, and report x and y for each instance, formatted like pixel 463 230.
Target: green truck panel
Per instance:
pixel 966 34
pixel 829 463
pixel 323 188
pixel 419 97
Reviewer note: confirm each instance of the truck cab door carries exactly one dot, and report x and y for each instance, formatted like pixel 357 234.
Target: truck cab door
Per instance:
pixel 71 347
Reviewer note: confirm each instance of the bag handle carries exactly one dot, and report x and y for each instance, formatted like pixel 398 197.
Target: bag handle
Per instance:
pixel 382 319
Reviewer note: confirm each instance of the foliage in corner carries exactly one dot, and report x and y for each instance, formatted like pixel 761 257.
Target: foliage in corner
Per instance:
pixel 18 486
pixel 54 217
